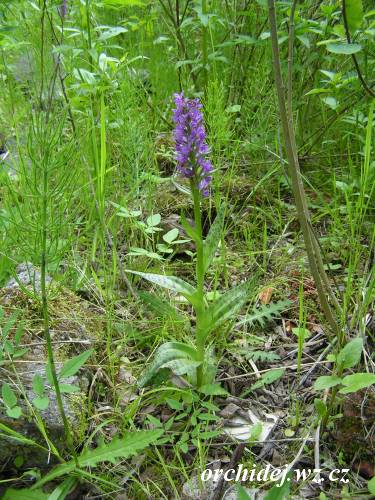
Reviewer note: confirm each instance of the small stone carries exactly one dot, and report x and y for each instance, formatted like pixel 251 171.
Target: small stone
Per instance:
pixel 27 274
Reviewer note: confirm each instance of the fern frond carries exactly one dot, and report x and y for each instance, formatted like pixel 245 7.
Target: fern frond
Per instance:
pixel 265 313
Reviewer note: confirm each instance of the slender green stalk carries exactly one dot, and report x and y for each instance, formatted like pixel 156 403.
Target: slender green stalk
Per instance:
pixel 103 156
pixel 88 27
pixel 200 334
pixel 44 296
pixel 44 156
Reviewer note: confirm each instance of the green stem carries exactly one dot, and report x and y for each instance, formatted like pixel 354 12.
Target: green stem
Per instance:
pixel 200 334
pixel 89 39
pixel 47 333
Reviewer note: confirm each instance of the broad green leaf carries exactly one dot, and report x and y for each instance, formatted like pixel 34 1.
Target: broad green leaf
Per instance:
pixel 24 494
pixel 41 403
pixel 354 383
pixel 72 366
pixel 171 235
pixel 14 412
pixel 354 13
pixel 350 355
pixel 122 448
pixel 136 252
pixel 213 390
pixel 212 241
pixel 226 306
pixel 164 248
pixel 344 48
pixel 110 32
pixel 170 351
pixel 182 366
pixel 9 397
pixel 268 378
pixel 172 283
pixel 331 102
pixel 153 220
pixel 329 74
pixel 38 385
pixel 326 382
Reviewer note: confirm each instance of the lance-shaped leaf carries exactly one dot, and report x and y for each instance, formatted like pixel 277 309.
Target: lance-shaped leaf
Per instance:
pixel 121 448
pixel 170 351
pixel 213 238
pixel 357 381
pixel 160 306
pixel 182 366
pixel 226 306
pixel 354 13
pixel 172 283
pixel 189 229
pixel 350 355
pixel 72 366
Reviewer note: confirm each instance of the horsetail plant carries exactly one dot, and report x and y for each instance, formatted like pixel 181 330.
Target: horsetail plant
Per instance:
pixel 196 362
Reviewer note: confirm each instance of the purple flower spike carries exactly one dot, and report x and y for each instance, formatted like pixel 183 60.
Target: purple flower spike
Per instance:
pixel 63 8
pixel 190 142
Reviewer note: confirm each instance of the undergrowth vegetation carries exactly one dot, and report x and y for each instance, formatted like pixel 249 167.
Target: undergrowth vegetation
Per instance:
pixel 187 247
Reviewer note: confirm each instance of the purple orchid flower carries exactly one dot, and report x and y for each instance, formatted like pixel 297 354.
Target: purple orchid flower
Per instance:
pixel 190 142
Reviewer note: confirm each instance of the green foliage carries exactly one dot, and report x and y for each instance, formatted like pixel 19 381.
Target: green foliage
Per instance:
pixel 72 366
pixel 268 378
pixel 326 382
pixel 354 13
pixel 10 401
pixel 266 312
pixel 356 382
pixel 227 305
pixel 344 48
pixel 176 285
pixel 41 402
pixel 178 357
pixel 350 355
pixel 124 447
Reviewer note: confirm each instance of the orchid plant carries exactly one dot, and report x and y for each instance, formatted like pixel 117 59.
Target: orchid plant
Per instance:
pixel 195 362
